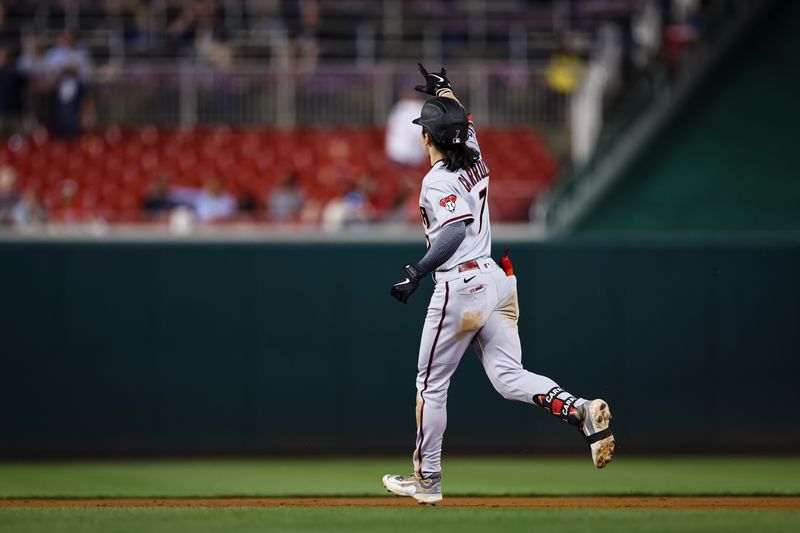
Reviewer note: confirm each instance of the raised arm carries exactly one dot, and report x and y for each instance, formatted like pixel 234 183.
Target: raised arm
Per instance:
pixel 437 84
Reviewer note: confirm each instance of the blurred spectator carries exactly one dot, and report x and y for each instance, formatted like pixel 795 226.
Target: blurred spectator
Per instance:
pixel 181 221
pixel 600 82
pixel 565 69
pixel 12 95
pixel 70 97
pixel 586 112
pixel 158 199
pixel 29 210
pixel 215 52
pixel 285 202
pixel 32 60
pixel 403 139
pixel 32 64
pixel 302 19
pixel 351 209
pixel 246 204
pixel 608 54
pixel 136 31
pixel 682 33
pixel 646 33
pixel 66 54
pixel 9 195
pixel 181 32
pixel 15 208
pixel 211 37
pixel 198 29
pixel 209 203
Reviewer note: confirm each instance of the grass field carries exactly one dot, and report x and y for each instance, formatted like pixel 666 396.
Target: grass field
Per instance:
pixel 370 520
pixel 349 477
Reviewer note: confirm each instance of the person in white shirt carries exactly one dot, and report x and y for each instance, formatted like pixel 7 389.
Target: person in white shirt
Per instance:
pixel 67 54
pixel 209 203
pixel 402 137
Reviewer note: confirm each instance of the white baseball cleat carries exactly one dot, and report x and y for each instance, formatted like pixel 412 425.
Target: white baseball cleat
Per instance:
pixel 424 490
pixel 595 417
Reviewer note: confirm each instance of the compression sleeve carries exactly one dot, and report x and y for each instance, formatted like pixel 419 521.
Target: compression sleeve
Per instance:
pixel 446 244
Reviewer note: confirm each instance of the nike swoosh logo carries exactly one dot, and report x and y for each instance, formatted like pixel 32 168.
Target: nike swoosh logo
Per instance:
pixel 467 280
pixel 402 282
pixel 438 77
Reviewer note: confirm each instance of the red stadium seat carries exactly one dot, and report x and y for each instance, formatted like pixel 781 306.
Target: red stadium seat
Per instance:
pixel 115 168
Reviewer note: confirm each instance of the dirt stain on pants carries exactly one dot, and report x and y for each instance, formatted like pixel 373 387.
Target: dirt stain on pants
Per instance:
pixel 510 311
pixel 470 322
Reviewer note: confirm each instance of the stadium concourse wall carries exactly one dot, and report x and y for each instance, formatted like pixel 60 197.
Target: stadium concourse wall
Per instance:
pixel 202 348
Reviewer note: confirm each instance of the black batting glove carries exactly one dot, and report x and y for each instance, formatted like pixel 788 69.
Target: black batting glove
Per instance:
pixel 435 84
pixel 406 286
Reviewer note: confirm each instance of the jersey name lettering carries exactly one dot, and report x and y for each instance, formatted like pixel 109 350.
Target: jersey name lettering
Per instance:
pixel 476 173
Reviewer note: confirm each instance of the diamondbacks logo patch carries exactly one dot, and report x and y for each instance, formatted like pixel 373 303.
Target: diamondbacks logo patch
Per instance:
pixel 448 202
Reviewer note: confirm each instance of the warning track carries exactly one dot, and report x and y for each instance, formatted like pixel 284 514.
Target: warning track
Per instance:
pixel 620 502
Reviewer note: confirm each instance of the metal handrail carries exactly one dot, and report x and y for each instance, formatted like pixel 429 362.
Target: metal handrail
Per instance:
pixel 193 93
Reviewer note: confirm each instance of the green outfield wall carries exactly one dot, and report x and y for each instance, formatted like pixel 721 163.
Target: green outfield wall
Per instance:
pixel 125 348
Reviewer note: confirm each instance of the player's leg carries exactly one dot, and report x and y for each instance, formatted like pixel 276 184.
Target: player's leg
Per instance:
pixel 441 348
pixel 442 345
pixel 500 352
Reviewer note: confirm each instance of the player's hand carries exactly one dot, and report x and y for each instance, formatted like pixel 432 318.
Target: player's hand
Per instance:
pixel 405 286
pixel 435 83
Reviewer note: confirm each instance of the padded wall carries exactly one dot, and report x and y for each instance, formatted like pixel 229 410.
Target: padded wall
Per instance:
pixel 260 348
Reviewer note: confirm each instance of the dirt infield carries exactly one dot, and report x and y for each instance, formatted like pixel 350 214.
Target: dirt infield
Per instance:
pixel 617 502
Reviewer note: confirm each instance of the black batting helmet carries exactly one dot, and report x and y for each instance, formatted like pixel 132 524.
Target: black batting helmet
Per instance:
pixel 445 120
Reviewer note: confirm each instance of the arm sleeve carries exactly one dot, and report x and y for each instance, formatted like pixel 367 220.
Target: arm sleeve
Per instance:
pixel 445 246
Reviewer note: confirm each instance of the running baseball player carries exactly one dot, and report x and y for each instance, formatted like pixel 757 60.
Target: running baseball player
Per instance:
pixel 474 302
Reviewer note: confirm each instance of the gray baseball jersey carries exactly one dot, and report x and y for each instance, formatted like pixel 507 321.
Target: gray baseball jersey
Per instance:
pixel 448 197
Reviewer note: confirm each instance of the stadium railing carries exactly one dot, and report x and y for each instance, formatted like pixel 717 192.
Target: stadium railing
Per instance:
pixel 193 94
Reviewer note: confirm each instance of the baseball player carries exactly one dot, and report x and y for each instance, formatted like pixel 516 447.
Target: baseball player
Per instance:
pixel 474 302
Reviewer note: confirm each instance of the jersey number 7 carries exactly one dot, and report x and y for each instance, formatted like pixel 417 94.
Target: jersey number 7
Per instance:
pixel 482 195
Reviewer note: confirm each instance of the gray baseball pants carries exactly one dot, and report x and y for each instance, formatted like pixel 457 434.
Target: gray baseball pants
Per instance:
pixel 476 307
